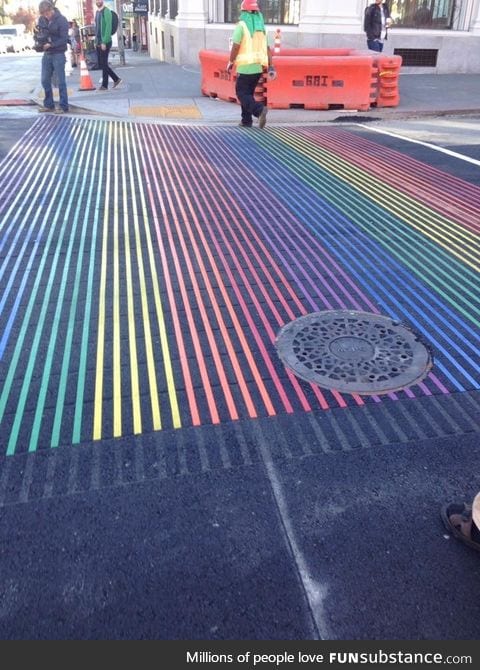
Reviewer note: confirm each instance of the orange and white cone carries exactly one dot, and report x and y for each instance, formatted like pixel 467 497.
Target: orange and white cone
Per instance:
pixel 276 42
pixel 86 83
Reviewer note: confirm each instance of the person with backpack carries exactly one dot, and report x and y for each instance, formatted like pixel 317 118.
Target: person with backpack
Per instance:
pixel 376 22
pixel 105 27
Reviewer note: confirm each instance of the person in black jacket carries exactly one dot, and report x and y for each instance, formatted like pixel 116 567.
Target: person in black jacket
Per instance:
pixel 376 22
pixel 54 27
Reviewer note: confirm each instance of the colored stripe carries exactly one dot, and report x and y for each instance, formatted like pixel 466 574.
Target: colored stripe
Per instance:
pixel 54 218
pixel 329 190
pixel 82 213
pixel 98 403
pixel 147 277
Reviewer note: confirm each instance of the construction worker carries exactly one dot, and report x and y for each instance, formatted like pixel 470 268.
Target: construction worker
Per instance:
pixel 250 53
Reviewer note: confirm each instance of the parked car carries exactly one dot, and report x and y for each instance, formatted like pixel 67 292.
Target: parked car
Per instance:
pixel 14 36
pixel 3 45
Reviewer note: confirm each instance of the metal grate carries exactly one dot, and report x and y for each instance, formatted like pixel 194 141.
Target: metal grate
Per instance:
pixel 417 57
pixel 353 352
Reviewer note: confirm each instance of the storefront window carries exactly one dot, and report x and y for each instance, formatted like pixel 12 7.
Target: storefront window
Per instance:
pixel 430 14
pixel 283 12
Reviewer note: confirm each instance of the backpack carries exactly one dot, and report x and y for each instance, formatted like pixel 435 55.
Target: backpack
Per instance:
pixel 114 22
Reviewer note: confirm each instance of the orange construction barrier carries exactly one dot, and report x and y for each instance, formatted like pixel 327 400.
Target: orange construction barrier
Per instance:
pixel 86 83
pixel 320 82
pixel 217 82
pixel 313 79
pixel 386 78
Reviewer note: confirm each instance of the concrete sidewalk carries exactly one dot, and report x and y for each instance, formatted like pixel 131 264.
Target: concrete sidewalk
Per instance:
pixel 169 93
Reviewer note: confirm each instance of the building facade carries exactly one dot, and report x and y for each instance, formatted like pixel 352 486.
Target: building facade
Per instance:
pixel 441 36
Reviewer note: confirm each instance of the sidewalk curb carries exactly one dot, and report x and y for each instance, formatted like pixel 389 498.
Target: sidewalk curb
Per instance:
pixel 372 115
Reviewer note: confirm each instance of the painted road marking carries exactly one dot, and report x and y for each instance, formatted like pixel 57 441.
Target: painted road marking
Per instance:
pixel 145 272
pixel 435 147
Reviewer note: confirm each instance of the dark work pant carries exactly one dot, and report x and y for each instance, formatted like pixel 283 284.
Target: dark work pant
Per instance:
pixel 104 66
pixel 245 88
pixel 375 45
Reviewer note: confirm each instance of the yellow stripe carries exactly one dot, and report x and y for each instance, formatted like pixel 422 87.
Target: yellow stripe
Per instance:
pixel 132 334
pixel 117 361
pixel 152 376
pixel 98 404
pixel 167 361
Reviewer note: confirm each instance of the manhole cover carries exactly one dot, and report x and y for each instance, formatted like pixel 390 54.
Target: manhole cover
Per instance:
pixel 353 352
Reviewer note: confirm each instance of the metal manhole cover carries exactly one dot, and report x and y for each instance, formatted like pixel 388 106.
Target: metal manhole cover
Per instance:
pixel 353 352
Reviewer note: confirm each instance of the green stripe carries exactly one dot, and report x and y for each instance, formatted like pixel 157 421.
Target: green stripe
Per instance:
pixel 326 187
pixel 55 438
pixel 82 368
pixel 60 186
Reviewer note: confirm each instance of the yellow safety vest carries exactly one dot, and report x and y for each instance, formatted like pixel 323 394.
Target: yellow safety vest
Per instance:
pixel 253 49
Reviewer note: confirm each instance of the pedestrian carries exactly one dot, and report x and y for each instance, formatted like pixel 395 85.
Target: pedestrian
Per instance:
pixel 134 42
pixel 376 23
pixel 103 41
pixel 463 521
pixel 53 26
pixel 250 53
pixel 74 35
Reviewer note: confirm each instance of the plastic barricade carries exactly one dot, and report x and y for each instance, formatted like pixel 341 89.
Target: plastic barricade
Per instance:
pixel 313 79
pixel 386 77
pixel 217 82
pixel 318 81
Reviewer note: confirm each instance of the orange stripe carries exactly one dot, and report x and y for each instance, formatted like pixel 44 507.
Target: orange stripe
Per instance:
pixel 218 276
pixel 171 297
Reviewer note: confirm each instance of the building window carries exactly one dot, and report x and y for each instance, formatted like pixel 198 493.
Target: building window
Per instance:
pixel 432 14
pixel 173 11
pixel 163 7
pixel 283 12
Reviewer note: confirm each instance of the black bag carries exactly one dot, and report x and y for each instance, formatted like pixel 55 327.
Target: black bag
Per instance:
pixel 39 41
pixel 114 22
pixel 40 34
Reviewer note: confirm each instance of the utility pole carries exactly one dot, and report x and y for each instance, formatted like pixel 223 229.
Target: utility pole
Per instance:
pixel 120 41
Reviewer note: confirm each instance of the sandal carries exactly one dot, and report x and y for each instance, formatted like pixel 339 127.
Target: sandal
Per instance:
pixel 457 519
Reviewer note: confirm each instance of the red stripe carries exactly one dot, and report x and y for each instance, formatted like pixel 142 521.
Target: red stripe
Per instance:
pixel 193 331
pixel 171 297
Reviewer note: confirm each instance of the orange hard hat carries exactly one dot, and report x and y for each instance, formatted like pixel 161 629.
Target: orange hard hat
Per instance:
pixel 250 6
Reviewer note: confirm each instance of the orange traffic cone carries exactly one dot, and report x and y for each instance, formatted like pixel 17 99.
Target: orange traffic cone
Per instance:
pixel 86 83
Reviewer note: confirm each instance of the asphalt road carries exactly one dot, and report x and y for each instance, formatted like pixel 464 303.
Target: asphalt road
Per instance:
pixel 321 525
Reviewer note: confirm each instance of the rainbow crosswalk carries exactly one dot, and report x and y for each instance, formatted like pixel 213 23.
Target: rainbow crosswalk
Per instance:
pixel 146 269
